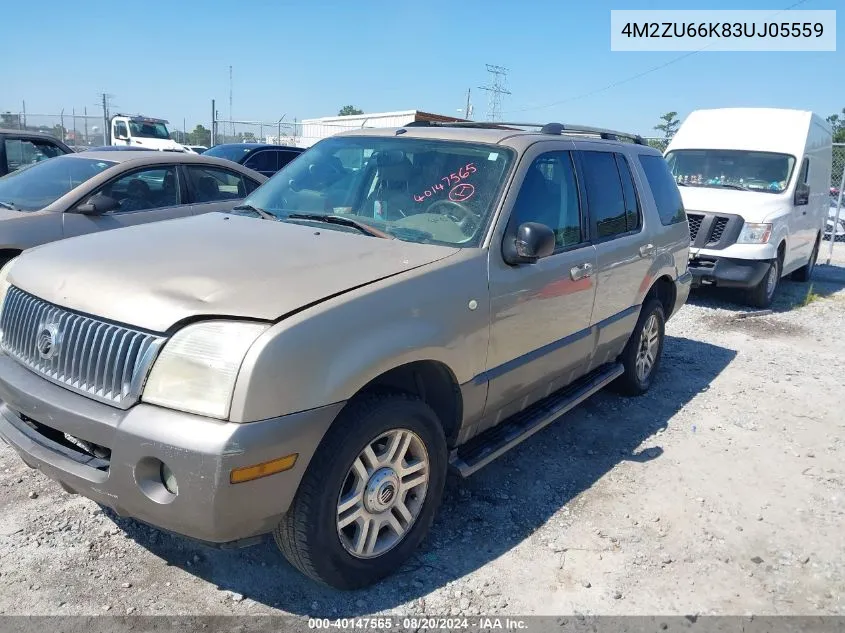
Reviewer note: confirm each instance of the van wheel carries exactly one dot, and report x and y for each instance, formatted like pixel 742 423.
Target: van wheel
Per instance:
pixel 370 493
pixel 641 355
pixel 806 271
pixel 761 295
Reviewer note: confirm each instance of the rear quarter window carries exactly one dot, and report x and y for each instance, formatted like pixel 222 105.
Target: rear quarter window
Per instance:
pixel 667 197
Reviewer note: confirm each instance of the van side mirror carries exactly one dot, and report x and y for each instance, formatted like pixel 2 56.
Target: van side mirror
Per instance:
pixel 802 194
pixel 533 241
pixel 98 204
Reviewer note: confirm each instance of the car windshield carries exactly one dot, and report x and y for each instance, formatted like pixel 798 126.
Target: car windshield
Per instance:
pixel 41 184
pixel 229 152
pixel 733 169
pixel 439 192
pixel 147 129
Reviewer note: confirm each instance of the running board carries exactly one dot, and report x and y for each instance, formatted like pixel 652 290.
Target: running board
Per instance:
pixel 484 448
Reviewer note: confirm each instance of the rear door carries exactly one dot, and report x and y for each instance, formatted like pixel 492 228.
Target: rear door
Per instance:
pixel 264 161
pixel 213 188
pixel 149 194
pixel 623 256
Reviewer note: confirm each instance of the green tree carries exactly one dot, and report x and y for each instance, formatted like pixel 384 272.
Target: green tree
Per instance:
pixel 349 110
pixel 837 124
pixel 200 136
pixel 669 124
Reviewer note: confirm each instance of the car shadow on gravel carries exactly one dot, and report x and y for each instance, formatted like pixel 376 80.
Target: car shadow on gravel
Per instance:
pixel 827 280
pixel 482 517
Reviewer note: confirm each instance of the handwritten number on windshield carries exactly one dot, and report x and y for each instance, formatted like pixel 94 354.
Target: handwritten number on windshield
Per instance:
pixel 450 180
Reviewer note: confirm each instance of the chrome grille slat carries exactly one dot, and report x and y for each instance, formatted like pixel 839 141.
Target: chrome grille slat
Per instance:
pixel 98 359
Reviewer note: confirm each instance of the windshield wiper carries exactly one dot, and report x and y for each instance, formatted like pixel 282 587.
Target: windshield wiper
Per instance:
pixel 264 215
pixel 8 205
pixel 342 221
pixel 728 185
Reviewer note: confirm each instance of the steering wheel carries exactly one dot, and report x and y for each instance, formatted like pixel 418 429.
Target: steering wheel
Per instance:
pixel 466 220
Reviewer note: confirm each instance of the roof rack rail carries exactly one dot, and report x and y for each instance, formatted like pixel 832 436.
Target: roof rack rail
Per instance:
pixel 544 128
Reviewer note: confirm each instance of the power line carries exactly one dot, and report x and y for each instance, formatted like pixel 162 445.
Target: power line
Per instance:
pixel 638 75
pixel 495 90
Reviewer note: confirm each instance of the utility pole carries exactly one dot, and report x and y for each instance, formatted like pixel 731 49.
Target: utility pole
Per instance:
pixel 85 115
pixel 106 117
pixel 213 124
pixel 468 111
pixel 231 117
pixel 496 89
pixel 22 120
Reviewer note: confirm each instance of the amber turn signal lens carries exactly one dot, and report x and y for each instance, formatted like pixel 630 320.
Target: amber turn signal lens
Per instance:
pixel 248 473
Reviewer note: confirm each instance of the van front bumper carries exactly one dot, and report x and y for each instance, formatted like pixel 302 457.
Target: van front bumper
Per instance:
pixel 727 272
pixel 200 452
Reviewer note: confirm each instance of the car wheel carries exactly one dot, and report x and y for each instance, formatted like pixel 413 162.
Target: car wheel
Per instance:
pixel 761 295
pixel 370 493
pixel 641 356
pixel 806 271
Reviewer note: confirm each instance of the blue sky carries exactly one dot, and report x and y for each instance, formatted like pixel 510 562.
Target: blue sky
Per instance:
pixel 307 59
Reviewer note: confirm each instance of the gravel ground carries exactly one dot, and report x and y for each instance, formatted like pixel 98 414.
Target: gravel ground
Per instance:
pixel 719 492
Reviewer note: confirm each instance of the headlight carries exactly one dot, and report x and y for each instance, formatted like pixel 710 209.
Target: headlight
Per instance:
pixel 754 233
pixel 4 286
pixel 197 369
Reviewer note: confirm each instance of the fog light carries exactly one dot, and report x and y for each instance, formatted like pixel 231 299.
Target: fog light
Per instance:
pixel 169 479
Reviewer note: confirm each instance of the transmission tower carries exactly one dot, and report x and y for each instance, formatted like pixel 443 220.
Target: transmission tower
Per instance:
pixel 495 90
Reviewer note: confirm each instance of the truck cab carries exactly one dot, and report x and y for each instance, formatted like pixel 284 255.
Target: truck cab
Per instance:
pixel 142 131
pixel 754 182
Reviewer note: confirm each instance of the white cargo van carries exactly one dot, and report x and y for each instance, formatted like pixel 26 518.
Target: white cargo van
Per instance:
pixel 755 184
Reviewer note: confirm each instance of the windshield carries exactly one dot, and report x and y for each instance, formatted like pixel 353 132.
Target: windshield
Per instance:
pixel 229 152
pixel 735 169
pixel 144 129
pixel 415 190
pixel 41 184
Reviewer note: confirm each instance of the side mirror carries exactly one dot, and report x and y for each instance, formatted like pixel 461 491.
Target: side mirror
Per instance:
pixel 802 194
pixel 533 241
pixel 98 205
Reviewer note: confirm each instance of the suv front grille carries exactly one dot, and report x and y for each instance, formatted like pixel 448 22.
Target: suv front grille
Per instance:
pixel 104 361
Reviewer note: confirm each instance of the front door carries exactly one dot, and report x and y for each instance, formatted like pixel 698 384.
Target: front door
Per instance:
pixel 540 330
pixel 144 195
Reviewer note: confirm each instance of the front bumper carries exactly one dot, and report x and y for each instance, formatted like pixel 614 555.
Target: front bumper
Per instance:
pixel 200 452
pixel 726 272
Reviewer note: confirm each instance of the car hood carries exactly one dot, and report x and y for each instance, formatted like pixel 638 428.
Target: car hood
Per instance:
pixel 154 276
pixel 753 206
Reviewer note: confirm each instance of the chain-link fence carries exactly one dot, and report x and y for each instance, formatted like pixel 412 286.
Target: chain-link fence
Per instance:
pixel 76 128
pixel 835 228
pixel 273 132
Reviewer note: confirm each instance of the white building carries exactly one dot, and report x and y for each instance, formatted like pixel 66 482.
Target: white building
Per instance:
pixel 314 130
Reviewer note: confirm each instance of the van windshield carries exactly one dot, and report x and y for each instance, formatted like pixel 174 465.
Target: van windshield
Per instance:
pixel 733 169
pixel 145 129
pixel 416 190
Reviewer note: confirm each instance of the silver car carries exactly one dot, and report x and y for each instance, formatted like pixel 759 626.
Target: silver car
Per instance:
pixel 391 304
pixel 88 192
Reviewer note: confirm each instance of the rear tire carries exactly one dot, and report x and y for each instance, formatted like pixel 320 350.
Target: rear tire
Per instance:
pixel 349 476
pixel 806 271
pixel 641 356
pixel 761 295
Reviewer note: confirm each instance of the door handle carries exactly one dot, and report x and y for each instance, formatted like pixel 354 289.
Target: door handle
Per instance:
pixel 581 271
pixel 646 250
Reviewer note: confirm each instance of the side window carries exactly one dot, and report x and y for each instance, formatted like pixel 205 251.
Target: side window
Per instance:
pixel 667 197
pixel 549 195
pixel 285 157
pixel 805 171
pixel 604 194
pixel 23 152
pixel 263 161
pixel 120 129
pixel 251 185
pixel 212 184
pixel 144 189
pixel 632 205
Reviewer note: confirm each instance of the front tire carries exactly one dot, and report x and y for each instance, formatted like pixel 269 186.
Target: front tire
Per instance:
pixel 370 493
pixel 641 356
pixel 761 295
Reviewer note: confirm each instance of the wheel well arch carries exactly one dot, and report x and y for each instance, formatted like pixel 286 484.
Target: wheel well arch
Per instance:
pixel 8 253
pixel 432 382
pixel 663 289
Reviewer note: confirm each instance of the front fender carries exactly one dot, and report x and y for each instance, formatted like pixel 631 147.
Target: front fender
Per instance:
pixel 327 353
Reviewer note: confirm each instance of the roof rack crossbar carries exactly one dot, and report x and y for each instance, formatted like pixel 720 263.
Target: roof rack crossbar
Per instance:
pixel 545 128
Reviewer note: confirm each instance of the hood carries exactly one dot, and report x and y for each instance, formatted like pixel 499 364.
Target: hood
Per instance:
pixel 753 206
pixel 155 275
pixel 158 143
